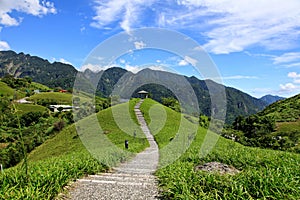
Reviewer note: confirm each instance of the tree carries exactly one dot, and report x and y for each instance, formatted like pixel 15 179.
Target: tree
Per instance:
pixel 171 103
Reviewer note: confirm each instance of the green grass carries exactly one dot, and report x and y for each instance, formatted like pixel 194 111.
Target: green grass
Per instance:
pixel 64 158
pixel 25 108
pixel 265 174
pixel 286 110
pixel 62 98
pixel 8 91
pixel 288 126
pixel 38 86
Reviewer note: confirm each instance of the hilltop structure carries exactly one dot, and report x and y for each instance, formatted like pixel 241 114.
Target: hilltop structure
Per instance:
pixel 143 94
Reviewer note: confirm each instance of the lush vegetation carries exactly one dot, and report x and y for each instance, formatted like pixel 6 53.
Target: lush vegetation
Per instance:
pixel 287 110
pixel 264 174
pixel 42 71
pixel 64 158
pixel 62 75
pixel 48 98
pixel 21 130
pixel 276 127
pixel 237 102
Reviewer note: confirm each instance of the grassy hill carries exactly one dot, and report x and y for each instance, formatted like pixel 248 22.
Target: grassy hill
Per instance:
pixel 286 114
pixel 264 174
pixel 55 97
pixel 5 90
pixel 25 108
pixel 64 158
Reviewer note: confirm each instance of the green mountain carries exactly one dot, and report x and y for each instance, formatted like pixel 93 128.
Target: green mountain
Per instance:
pixel 237 102
pixel 42 71
pixel 63 75
pixel 287 110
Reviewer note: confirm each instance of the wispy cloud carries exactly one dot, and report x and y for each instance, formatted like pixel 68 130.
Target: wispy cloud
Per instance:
pixel 228 25
pixel 287 58
pixel 295 76
pixel 95 67
pixel 236 77
pixel 32 7
pixel 288 87
pixel 124 12
pixel 135 69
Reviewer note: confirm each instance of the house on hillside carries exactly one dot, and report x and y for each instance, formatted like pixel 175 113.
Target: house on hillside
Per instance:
pixel 63 91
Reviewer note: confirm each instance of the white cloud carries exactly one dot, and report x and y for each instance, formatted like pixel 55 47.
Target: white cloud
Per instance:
pixel 190 60
pixel 136 69
pixel 287 58
pixel 293 75
pixel 297 64
pixel 227 25
pixel 32 7
pixel 94 68
pixel 122 61
pixel 297 81
pixel 183 63
pixel 4 46
pixel 133 69
pixel 288 87
pixel 139 45
pixel 159 68
pixel 62 60
pixel 124 12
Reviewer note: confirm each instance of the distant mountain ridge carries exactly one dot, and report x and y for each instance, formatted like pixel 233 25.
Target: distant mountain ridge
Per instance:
pixel 271 98
pixel 63 75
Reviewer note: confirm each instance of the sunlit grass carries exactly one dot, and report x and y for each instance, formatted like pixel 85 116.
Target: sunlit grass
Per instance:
pixel 265 174
pixel 64 158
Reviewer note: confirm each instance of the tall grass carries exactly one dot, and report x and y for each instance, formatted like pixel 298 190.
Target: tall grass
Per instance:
pixel 264 174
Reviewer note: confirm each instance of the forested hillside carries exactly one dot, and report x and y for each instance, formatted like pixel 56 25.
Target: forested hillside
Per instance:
pixel 276 127
pixel 62 75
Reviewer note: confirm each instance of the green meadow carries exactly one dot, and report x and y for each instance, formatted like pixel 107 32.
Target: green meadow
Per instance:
pixel 264 174
pixel 85 148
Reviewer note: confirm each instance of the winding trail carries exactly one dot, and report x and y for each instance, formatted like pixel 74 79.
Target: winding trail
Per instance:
pixel 130 180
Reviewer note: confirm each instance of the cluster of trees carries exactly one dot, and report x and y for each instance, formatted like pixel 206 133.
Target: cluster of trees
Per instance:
pixel 259 131
pixel 171 103
pixel 21 133
pixel 16 83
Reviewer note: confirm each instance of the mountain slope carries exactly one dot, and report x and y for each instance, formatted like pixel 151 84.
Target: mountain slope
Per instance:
pixel 286 110
pixel 62 75
pixel 42 71
pixel 238 102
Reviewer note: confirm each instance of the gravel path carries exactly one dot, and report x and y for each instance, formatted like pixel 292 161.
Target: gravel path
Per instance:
pixel 131 180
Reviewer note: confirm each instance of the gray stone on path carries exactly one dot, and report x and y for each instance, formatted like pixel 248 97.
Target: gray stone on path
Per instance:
pixel 130 180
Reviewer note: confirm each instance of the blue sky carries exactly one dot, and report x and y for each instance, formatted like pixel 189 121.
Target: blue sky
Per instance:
pixel 255 44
